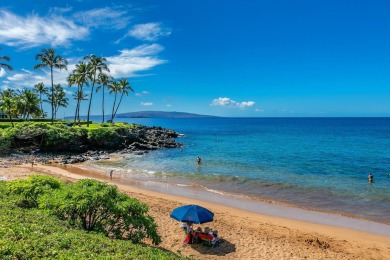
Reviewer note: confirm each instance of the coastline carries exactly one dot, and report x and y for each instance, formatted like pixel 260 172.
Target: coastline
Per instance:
pixel 244 202
pixel 246 234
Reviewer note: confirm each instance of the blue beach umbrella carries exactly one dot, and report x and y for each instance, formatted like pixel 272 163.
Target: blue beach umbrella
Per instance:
pixel 192 214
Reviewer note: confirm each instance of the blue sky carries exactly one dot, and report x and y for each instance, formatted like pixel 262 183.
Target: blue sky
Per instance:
pixel 225 58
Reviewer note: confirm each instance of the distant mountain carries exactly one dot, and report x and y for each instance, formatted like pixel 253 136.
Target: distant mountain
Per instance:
pixel 160 114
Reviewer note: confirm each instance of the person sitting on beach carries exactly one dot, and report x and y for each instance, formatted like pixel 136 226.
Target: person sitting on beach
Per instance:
pixel 207 230
pixel 370 178
pixel 196 238
pixel 189 228
pixel 186 227
pixel 189 231
pixel 209 237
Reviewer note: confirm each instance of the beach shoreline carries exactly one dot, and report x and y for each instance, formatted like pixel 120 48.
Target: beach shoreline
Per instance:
pixel 239 201
pixel 264 207
pixel 246 234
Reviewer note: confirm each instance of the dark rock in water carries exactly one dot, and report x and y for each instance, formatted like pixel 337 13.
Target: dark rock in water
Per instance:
pixel 139 140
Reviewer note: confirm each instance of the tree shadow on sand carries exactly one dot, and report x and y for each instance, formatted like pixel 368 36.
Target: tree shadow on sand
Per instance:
pixel 224 248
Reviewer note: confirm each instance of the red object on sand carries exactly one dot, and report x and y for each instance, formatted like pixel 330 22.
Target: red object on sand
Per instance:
pixel 188 239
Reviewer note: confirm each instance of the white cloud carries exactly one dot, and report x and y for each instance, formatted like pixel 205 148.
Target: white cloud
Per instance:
pixel 18 77
pixel 259 110
pixel 129 62
pixel 126 64
pixel 143 93
pixel 2 72
pixel 60 10
pixel 146 104
pixel 27 79
pixel 149 31
pixel 107 18
pixel 227 102
pixel 33 30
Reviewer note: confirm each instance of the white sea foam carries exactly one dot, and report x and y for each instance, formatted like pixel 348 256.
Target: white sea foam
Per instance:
pixel 217 192
pixel 183 185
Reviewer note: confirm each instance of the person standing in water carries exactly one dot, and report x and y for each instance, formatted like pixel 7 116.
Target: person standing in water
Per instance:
pixel 111 172
pixel 370 178
pixel 198 159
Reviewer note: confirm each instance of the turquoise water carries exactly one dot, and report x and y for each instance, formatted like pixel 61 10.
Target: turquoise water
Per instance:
pixel 316 163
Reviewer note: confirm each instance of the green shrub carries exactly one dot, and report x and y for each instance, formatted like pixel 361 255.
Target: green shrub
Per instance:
pixel 4 126
pixel 34 234
pixel 33 187
pixel 61 137
pixel 97 206
pixel 5 143
pixel 16 120
pixel 57 137
pixel 106 138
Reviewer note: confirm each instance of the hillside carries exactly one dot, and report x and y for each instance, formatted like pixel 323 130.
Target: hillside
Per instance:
pixel 160 114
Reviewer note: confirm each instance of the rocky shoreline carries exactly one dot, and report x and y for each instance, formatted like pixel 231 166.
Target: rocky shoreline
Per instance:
pixel 144 139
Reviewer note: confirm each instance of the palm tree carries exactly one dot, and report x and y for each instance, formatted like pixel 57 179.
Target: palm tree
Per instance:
pixel 49 59
pixel 40 89
pixel 80 77
pixel 113 87
pixel 59 98
pixel 4 65
pixel 103 80
pixel 96 66
pixel 78 96
pixel 124 88
pixel 27 103
pixel 7 103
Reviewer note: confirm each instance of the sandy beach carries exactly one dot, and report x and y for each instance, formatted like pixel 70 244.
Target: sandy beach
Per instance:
pixel 245 235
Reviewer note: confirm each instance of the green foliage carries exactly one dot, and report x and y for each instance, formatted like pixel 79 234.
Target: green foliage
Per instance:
pixel 20 120
pixel 5 144
pixel 58 137
pixel 61 137
pixel 33 187
pixel 34 234
pixel 4 126
pixel 105 137
pixel 97 206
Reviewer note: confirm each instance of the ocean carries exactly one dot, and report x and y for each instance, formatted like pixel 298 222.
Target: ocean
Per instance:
pixel 320 164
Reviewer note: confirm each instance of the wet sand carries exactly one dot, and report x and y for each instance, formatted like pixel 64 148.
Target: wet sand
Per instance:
pixel 246 234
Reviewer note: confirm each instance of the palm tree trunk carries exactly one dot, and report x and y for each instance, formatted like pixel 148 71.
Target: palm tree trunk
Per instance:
pixel 78 113
pixel 52 95
pixel 77 105
pixel 40 101
pixel 75 114
pixel 113 107
pixel 103 105
pixel 10 117
pixel 120 101
pixel 90 102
